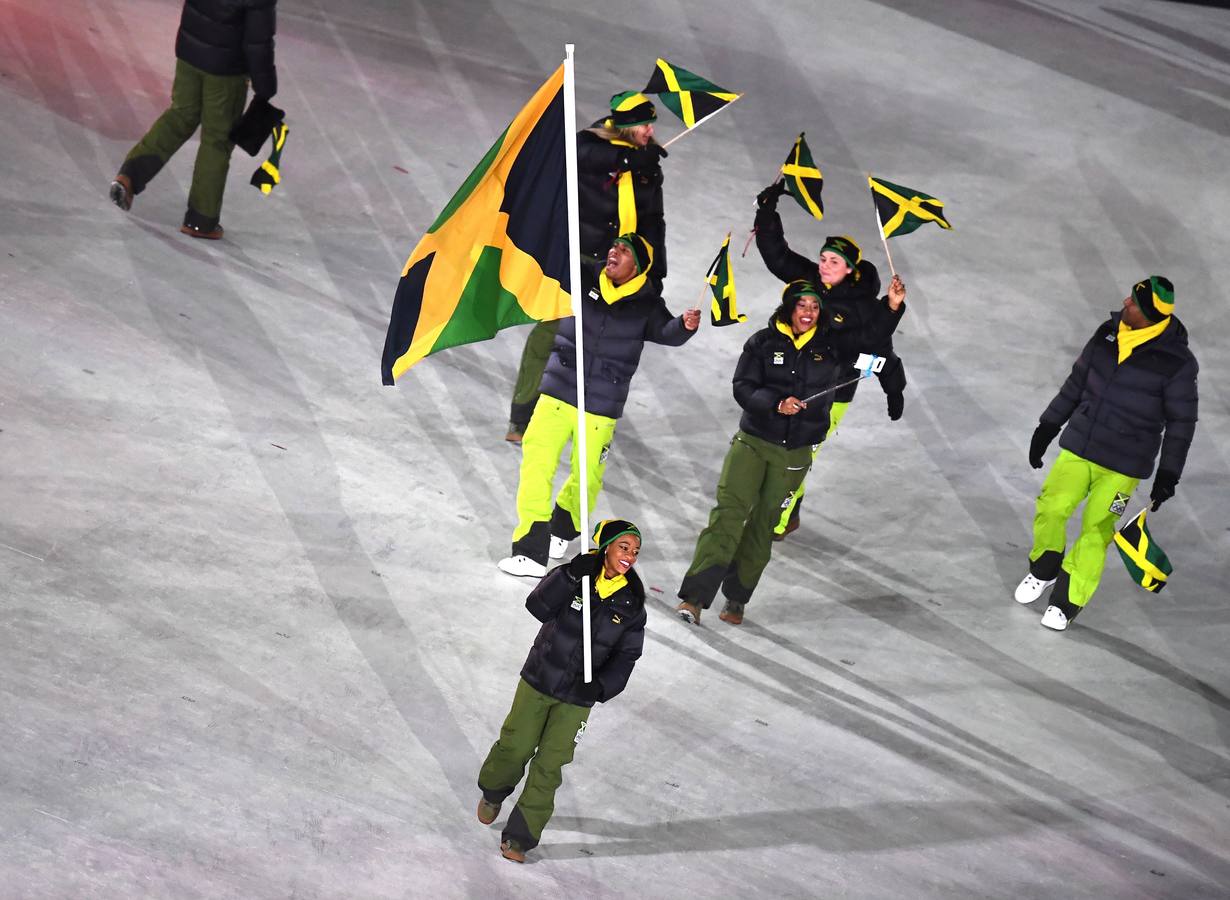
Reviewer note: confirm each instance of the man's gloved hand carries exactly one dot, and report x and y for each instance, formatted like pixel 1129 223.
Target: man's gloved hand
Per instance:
pixel 769 196
pixel 896 405
pixel 1043 435
pixel 1164 483
pixel 639 158
pixel 586 564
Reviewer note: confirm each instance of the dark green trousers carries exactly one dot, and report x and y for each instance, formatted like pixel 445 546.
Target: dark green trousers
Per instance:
pixel 215 103
pixel 758 481
pixel 529 375
pixel 542 732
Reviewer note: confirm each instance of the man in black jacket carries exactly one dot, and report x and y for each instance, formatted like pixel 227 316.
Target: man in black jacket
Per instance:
pixel 798 355
pixel 220 45
pixel 848 286
pixel 553 702
pixel 1131 392
pixel 622 309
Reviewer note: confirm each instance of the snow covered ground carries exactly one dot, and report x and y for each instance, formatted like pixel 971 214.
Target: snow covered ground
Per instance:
pixel 252 639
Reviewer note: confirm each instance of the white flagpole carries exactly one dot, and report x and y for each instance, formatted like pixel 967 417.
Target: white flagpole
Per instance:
pixel 574 278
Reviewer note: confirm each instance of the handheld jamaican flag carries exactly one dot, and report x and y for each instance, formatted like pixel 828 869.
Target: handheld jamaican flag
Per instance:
pixel 269 175
pixel 687 95
pixel 903 209
pixel 497 256
pixel 1146 562
pixel 803 179
pixel 722 283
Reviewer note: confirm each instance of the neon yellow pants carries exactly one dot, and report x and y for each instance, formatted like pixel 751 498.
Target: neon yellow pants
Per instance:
pixel 837 413
pixel 552 426
pixel 1070 480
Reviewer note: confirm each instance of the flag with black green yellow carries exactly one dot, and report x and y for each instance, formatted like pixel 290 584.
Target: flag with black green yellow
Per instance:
pixel 902 209
pixel 1146 562
pixel 803 179
pixel 722 310
pixel 497 255
pixel 686 94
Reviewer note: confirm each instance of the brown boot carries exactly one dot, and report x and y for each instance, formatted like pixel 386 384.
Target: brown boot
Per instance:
pixel 515 432
pixel 214 234
pixel 512 850
pixel 487 811
pixel 732 612
pixel 689 612
pixel 121 192
pixel 791 526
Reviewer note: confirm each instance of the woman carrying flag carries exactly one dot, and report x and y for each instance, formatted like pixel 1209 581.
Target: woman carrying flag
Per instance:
pixel 619 191
pixel 848 286
pixel 799 355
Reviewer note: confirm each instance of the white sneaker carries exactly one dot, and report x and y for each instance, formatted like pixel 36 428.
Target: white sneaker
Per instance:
pixel 559 547
pixel 1030 589
pixel 522 565
pixel 1054 619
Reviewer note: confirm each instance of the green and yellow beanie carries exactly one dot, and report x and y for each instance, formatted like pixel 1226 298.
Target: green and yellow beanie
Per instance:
pixel 642 250
pixel 1155 297
pixel 791 295
pixel 845 248
pixel 606 531
pixel 632 108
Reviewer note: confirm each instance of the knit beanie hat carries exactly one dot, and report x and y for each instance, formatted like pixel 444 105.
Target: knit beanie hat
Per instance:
pixel 642 250
pixel 791 295
pixel 1155 297
pixel 632 108
pixel 606 531
pixel 845 248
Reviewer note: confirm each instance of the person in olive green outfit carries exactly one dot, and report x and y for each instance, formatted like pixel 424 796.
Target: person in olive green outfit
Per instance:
pixel 800 355
pixel 221 44
pixel 1131 398
pixel 619 191
pixel 552 703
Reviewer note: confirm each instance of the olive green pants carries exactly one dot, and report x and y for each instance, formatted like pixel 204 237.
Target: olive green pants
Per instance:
pixel 538 344
pixel 542 732
pixel 836 414
pixel 215 103
pixel 758 481
pixel 1071 480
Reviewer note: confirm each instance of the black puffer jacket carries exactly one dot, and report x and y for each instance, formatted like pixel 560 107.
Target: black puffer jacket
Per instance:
pixel 848 302
pixel 615 335
pixel 770 369
pixel 230 37
pixel 598 163
pixel 617 635
pixel 1116 412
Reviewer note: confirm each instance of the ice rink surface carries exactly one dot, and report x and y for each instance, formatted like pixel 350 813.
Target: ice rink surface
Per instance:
pixel 253 643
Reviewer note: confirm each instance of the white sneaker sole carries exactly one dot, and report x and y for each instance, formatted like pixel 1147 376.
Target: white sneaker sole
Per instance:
pixel 522 567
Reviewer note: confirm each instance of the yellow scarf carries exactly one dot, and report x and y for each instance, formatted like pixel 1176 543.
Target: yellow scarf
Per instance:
pixel 799 340
pixel 612 292
pixel 627 197
pixel 1131 338
pixel 607 586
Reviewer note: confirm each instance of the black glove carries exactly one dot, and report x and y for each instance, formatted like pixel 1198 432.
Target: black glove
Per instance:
pixel 896 405
pixel 586 564
pixel 640 158
pixel 1043 435
pixel 1163 487
pixel 768 197
pixel 588 693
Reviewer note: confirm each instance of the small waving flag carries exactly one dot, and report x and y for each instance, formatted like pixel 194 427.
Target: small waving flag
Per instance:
pixel 687 95
pixel 722 283
pixel 1146 562
pixel 903 209
pixel 269 175
pixel 803 178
